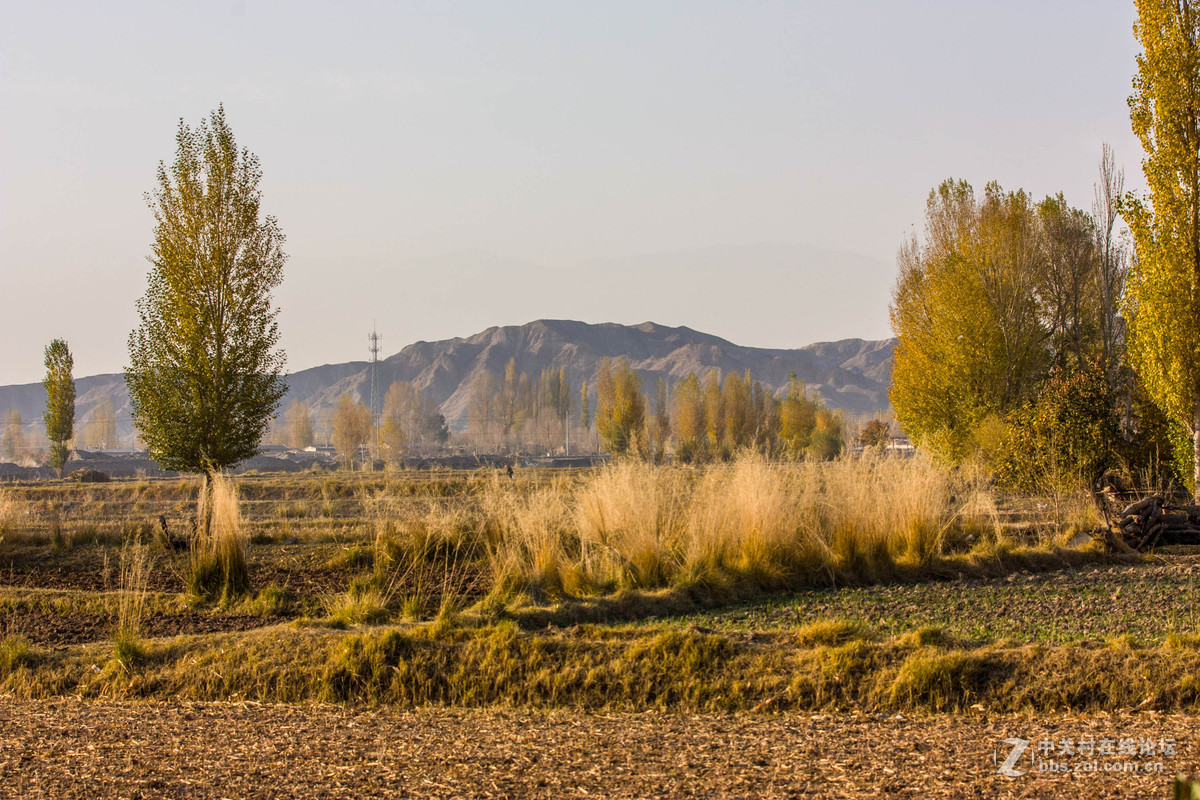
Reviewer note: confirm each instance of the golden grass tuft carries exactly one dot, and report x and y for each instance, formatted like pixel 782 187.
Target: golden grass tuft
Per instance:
pixel 131 602
pixel 749 524
pixel 217 568
pixel 359 605
pixel 14 654
pixel 10 512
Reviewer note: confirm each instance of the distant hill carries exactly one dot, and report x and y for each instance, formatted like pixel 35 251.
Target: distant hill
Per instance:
pixel 852 374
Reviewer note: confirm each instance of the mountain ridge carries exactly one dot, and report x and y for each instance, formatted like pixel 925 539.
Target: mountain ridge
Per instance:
pixel 848 374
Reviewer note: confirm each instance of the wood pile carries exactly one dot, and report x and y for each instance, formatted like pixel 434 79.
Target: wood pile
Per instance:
pixel 1152 522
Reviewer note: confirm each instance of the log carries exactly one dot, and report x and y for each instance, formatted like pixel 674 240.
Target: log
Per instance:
pixel 1152 539
pixel 1144 503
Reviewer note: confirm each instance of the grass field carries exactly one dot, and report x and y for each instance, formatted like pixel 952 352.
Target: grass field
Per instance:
pixel 849 592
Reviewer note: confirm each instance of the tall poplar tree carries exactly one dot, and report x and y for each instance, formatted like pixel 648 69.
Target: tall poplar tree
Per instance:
pixel 60 402
pixel 1162 301
pixel 204 373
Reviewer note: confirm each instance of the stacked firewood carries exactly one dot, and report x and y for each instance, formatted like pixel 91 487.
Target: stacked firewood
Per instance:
pixel 1151 522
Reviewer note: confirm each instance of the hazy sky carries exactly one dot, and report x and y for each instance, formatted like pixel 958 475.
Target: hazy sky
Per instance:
pixel 441 168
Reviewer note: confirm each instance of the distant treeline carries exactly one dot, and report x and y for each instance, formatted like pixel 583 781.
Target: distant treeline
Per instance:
pixel 19 440
pixel 699 418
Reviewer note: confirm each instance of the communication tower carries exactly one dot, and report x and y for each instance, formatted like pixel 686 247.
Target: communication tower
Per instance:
pixel 373 338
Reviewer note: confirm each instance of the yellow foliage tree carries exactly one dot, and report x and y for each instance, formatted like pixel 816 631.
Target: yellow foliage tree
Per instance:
pixel 687 420
pixel 797 418
pixel 971 314
pixel 12 443
pixel 1162 301
pixel 101 430
pixel 739 411
pixel 620 407
pixel 351 428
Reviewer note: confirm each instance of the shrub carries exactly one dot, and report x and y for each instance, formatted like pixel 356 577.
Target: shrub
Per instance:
pixel 1067 437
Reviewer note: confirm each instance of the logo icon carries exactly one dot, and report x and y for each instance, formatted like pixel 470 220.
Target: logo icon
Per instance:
pixel 1018 749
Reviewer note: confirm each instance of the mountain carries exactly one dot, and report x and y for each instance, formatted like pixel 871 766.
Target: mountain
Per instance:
pixel 852 374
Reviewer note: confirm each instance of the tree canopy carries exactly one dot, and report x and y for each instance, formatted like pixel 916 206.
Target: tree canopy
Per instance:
pixel 204 375
pixel 620 407
pixel 1000 290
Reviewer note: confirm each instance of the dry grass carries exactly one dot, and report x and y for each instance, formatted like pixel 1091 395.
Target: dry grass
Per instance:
pixel 835 667
pixel 217 567
pixel 131 602
pixel 358 604
pixel 620 542
pixel 748 523
pixel 12 511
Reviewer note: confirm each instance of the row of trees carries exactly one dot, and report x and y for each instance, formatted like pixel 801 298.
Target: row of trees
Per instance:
pixel 1012 339
pixel 1034 334
pixel 705 419
pixel 99 432
pixel 409 422
pixel 1001 291
pixel 699 419
pixel 518 407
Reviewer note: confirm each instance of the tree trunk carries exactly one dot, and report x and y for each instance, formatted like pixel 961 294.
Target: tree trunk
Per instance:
pixel 204 506
pixel 1196 452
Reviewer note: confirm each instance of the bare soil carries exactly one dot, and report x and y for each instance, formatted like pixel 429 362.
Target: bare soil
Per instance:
pixel 64 630
pixel 74 749
pixel 302 568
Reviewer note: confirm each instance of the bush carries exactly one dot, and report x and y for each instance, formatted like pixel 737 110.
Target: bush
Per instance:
pixel 1069 435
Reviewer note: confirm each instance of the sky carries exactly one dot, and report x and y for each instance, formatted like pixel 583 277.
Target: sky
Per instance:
pixel 748 169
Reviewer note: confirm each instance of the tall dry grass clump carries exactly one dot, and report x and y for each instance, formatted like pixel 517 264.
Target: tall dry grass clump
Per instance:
pixel 131 601
pixel 10 513
pixel 633 524
pixel 751 522
pixel 530 543
pixel 217 568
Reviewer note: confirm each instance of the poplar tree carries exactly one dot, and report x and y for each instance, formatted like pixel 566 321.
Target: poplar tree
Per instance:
pixel 351 428
pixel 12 442
pixel 299 425
pixel 204 373
pixel 60 402
pixel 101 431
pixel 620 407
pixel 1162 302
pixel 585 413
pixel 687 420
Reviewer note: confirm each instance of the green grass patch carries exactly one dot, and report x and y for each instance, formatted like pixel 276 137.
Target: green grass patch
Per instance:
pixel 636 667
pixel 1147 602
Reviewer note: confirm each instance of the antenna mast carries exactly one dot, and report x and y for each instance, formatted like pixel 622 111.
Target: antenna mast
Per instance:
pixel 373 338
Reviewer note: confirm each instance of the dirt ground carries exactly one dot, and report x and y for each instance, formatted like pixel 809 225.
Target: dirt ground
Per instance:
pixel 64 630
pixel 73 749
